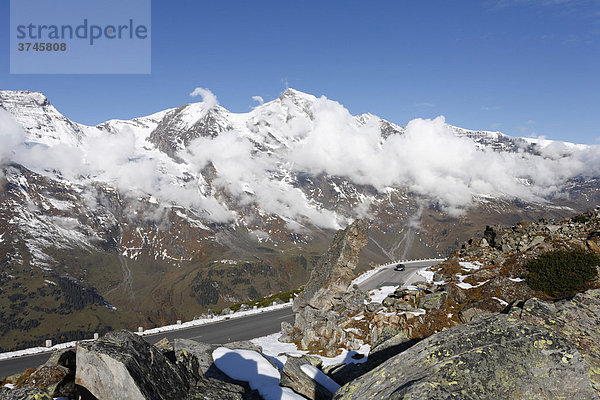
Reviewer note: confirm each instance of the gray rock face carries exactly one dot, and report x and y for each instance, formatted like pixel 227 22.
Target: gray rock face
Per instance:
pixel 334 271
pixel 123 365
pixel 577 319
pixel 212 389
pixel 470 313
pixel 195 356
pixel 293 377
pixel 501 357
pixel 433 300
pixel 172 134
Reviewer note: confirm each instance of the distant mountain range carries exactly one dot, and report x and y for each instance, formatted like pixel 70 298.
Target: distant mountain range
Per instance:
pixel 158 218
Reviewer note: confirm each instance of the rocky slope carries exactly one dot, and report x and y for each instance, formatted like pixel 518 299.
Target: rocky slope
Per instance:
pixel 473 329
pixel 146 221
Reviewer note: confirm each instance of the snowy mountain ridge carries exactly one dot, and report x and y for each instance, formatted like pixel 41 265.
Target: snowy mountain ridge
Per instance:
pixel 243 167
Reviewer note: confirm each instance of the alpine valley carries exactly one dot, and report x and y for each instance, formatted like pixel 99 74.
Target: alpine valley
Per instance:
pixel 142 222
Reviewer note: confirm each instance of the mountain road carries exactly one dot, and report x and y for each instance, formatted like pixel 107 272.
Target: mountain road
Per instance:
pixel 244 328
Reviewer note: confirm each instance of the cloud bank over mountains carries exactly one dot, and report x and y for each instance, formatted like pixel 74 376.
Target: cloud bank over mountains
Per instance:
pixel 260 154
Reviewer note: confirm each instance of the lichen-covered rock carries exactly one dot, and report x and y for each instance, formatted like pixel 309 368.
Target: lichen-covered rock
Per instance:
pixel 577 319
pixel 433 300
pixel 293 377
pixel 390 341
pixel 57 375
pixel 24 393
pixel 55 380
pixel 501 357
pixel 469 314
pixel 244 345
pixel 122 365
pixel 163 345
pixel 196 357
pixel 207 381
pixel 64 358
pixel 212 389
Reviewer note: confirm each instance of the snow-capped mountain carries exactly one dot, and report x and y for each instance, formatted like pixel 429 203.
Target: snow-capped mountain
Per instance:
pixel 197 206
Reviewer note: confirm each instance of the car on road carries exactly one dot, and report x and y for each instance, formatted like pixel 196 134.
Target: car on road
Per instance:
pixel 400 267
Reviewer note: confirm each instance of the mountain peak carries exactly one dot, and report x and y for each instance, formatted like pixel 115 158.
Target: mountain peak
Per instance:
pixel 293 93
pixel 39 118
pixel 10 98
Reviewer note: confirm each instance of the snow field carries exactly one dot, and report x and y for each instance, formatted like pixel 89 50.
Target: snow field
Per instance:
pixel 251 367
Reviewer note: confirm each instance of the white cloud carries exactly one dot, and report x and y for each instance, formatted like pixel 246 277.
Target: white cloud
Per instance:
pixel 258 99
pixel 313 136
pixel 209 99
pixel 240 167
pixel 12 137
pixel 428 159
pixel 111 158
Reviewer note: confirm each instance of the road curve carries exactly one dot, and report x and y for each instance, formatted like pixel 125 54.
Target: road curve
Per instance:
pixel 244 328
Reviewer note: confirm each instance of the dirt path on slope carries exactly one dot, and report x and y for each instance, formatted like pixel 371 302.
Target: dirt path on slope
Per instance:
pixel 127 282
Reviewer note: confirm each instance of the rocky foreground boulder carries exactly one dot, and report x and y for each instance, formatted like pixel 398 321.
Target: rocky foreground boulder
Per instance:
pixel 501 357
pixel 122 365
pixel 293 377
pixel 535 350
pixel 576 319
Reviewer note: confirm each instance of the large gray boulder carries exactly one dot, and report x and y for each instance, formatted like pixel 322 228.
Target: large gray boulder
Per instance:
pixel 122 365
pixel 293 377
pixel 334 270
pixel 195 356
pixel 577 320
pixel 501 357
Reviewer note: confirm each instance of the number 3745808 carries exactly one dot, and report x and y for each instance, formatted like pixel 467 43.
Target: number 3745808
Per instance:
pixel 41 46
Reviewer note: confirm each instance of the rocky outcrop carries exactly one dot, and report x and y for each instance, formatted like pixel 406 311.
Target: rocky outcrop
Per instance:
pixel 196 359
pixel 501 357
pixel 326 300
pixel 123 365
pixel 195 356
pixel 334 271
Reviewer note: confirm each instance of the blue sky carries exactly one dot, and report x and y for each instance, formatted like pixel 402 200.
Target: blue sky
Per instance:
pixel 523 67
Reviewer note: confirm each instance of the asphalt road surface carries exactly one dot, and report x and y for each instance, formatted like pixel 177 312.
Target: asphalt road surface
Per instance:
pixel 245 328
pixel 389 277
